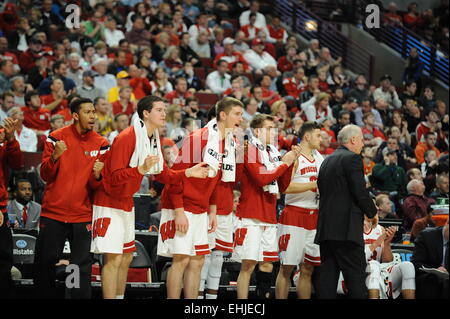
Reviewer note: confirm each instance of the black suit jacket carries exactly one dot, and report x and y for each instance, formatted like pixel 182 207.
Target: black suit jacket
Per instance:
pixel 428 249
pixel 344 198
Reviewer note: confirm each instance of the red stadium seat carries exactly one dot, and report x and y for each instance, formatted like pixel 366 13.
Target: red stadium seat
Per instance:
pixel 200 72
pixel 207 99
pixel 207 62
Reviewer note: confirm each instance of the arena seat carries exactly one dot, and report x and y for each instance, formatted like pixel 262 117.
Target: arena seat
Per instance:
pixel 23 249
pixel 207 99
pixel 207 62
pixel 200 72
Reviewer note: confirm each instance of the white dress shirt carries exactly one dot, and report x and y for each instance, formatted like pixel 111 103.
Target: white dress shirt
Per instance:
pixel 259 62
pixel 217 83
pixel 260 22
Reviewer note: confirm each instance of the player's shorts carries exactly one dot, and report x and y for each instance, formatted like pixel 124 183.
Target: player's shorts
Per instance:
pixel 222 238
pixel 254 241
pixel 296 233
pixel 192 243
pixel 112 231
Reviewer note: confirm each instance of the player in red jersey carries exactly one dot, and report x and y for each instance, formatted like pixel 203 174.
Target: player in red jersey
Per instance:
pixel 136 152
pixel 184 222
pixel 263 174
pixel 297 223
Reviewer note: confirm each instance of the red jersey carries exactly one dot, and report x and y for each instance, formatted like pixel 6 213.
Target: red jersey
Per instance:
pixel 117 108
pixel 369 135
pixel 277 34
pixel 48 99
pixel 246 29
pixel 10 157
pixel 232 60
pixel 194 194
pixel 254 202
pixel 36 119
pixel 293 87
pixel 225 202
pixel 120 181
pixel 70 182
pixel 284 64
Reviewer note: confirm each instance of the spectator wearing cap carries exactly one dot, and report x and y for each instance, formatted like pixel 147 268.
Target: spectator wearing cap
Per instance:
pixel 250 30
pixel 257 58
pixel 416 204
pixel 138 35
pixel 428 144
pixel 57 99
pixel 35 116
pixel 6 72
pixel 88 89
pixel 123 80
pixel 180 94
pixel 201 26
pixel 366 107
pixel 388 176
pixel 104 80
pixel 112 35
pixel 26 137
pixel 387 92
pixel 260 19
pixel 219 80
pixel 230 55
pixel 59 70
pixel 275 32
pixel 186 52
pixel 359 91
pixel 28 58
pixel 75 71
pixel 124 103
pixel 239 44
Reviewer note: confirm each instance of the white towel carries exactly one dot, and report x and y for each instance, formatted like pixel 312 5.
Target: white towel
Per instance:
pixel 271 158
pixel 146 146
pixel 214 158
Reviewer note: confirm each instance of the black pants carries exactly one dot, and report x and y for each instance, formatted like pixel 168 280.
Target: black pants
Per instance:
pixel 49 247
pixel 6 259
pixel 348 257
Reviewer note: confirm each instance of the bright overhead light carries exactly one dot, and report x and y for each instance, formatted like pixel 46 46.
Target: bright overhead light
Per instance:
pixel 311 25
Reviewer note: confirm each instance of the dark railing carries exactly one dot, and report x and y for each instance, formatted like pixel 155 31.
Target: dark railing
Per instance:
pixel 310 26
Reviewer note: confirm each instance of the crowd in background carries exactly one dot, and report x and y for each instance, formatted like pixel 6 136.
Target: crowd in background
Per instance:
pixel 188 51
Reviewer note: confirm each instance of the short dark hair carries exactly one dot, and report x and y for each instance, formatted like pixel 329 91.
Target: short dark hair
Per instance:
pixel 428 134
pixel 57 64
pixel 226 104
pixel 342 113
pixel 308 127
pixel 146 104
pixel 220 62
pixel 76 104
pixel 21 180
pixel 258 120
pixel 97 99
pixel 29 95
pixel 211 113
pixel 116 117
pixel 312 77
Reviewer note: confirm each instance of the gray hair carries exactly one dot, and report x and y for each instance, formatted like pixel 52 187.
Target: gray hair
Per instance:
pixel 347 132
pixel 74 55
pixel 412 185
pixel 14 110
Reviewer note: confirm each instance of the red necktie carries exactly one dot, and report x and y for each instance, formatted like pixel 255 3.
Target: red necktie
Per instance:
pixel 24 215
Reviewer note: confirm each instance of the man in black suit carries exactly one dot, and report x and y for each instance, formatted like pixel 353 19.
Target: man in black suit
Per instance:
pixel 431 245
pixel 344 200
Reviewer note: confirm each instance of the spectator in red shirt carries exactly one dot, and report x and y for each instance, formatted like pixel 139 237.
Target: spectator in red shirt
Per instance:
pixel 250 30
pixel 277 34
pixel 391 17
pixel 230 55
pixel 56 101
pixel 325 144
pixel 373 136
pixel 295 85
pixel 412 18
pixel 139 83
pixel 268 95
pixel 124 104
pixel 5 54
pixel 415 206
pixel 286 62
pixel 323 85
pixel 180 94
pixel 36 117
pixel 28 58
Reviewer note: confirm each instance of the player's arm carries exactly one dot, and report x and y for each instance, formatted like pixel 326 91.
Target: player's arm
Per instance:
pixel 295 188
pixel 386 252
pixel 50 158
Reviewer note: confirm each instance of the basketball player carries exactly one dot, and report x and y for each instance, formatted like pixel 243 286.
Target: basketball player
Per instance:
pixel 264 174
pixel 297 223
pixel 72 164
pixel 136 151
pixel 387 278
pixel 185 221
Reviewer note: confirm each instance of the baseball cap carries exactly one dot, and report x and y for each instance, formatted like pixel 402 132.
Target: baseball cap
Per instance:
pixel 257 42
pixel 123 75
pixel 89 73
pixel 386 77
pixel 228 40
